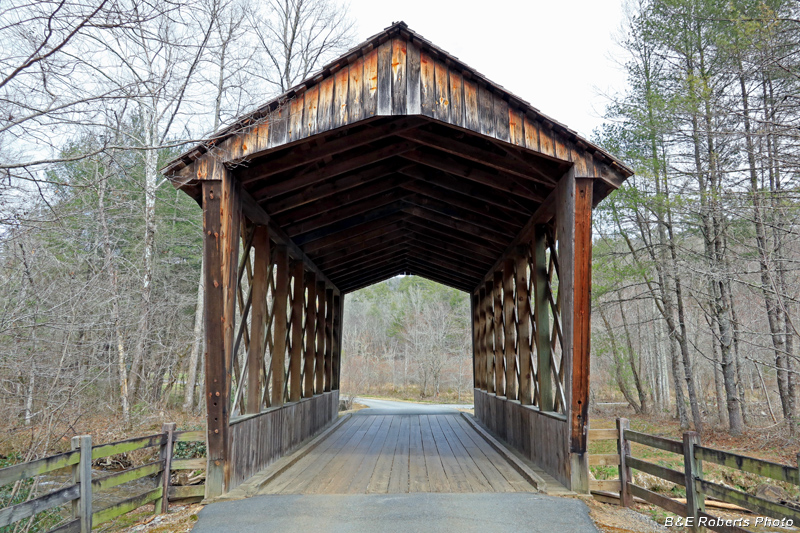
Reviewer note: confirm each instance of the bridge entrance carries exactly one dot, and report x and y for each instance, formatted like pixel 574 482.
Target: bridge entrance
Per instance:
pixel 395 158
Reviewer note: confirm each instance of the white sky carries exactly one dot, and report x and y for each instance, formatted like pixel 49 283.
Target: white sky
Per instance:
pixel 556 55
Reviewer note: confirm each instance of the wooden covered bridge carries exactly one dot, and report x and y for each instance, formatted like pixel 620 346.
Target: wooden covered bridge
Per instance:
pixel 397 158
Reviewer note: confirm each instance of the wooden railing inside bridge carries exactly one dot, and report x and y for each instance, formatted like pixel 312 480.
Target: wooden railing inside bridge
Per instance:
pixel 83 488
pixel 698 487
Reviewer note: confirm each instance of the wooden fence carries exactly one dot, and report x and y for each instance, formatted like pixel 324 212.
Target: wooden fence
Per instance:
pixel 80 494
pixel 691 478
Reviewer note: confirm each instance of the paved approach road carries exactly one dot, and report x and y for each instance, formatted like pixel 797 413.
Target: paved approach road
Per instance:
pixel 388 407
pixel 378 513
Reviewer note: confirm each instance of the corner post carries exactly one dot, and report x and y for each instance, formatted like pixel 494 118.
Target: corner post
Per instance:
pixel 693 469
pixel 162 504
pixel 82 474
pixel 222 208
pixel 624 450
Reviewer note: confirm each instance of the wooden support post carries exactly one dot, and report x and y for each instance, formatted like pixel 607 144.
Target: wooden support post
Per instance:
pixel 162 504
pixel 693 469
pixel 337 335
pixel 82 474
pixel 258 314
pixel 542 315
pixel 509 328
pixel 489 337
pixel 221 223
pixel 328 338
pixel 582 310
pixel 311 333
pixel 524 329
pixel 499 340
pixel 280 321
pixel 296 349
pixel 319 378
pixel 624 449
pixel 474 305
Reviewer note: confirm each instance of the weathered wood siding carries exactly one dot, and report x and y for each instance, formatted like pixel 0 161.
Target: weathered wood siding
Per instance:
pixel 543 438
pixel 259 440
pixel 402 77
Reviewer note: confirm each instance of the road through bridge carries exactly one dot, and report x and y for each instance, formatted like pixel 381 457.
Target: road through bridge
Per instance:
pixel 396 158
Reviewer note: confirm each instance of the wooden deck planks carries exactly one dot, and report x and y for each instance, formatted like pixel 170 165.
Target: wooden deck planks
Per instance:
pixel 399 454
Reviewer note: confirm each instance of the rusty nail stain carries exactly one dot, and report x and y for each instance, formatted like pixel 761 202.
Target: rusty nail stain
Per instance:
pixel 217 431
pixel 216 284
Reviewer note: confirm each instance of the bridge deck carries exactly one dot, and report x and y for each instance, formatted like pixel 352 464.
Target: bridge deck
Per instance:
pixel 400 454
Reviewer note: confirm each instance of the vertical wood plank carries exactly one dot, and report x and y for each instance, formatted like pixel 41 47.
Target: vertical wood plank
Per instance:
pixel 441 109
pixel 319 376
pixel 311 105
pixel 399 85
pixel 546 140
pixel 542 305
pixel 499 338
pixel 82 473
pixel 561 147
pixel 413 83
pixel 509 329
pixel 336 340
pixel 296 354
pixel 311 333
pixel 473 308
pixel 162 504
pixel 340 98
pixel 531 134
pixel 355 91
pixel 262 132
pixel 523 329
pixel 486 111
pixel 328 338
pixel 370 101
pixel 427 84
pixel 501 126
pixel 296 106
pixel 582 308
pixel 693 469
pixel 218 203
pixel 456 98
pixel 325 106
pixel 624 450
pixel 516 128
pixel 488 302
pixel 385 81
pixel 280 320
pixel 258 313
pixel 472 119
pixel 278 126
pixel 481 349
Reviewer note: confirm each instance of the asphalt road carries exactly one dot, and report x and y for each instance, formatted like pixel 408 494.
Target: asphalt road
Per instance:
pixel 387 407
pixel 376 513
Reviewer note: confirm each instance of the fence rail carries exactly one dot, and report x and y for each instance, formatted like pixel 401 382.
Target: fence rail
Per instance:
pixel 83 487
pixel 697 488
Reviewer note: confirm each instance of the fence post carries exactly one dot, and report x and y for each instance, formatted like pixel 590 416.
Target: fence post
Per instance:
pixel 623 448
pixel 82 475
pixel 693 469
pixel 162 504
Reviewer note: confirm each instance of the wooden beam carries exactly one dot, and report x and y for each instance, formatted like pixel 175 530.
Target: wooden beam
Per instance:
pixel 455 246
pixel 372 281
pixel 437 231
pixel 336 337
pixel 296 353
pixel 346 163
pixel 318 191
pixel 468 171
pixel 319 376
pixel 524 329
pixel 467 227
pixel 311 331
pixel 256 214
pixel 509 329
pixel 451 210
pixel 331 255
pixel 351 223
pixel 489 337
pixel 280 321
pixel 582 309
pixel 258 314
pixel 332 216
pixel 363 233
pixel 221 215
pixel 390 259
pixel 435 268
pixel 541 305
pixel 318 150
pixel 369 261
pixel 499 338
pixel 475 314
pixel 472 204
pixel 448 182
pixel 454 264
pixel 471 152
pixel 328 339
pixel 471 261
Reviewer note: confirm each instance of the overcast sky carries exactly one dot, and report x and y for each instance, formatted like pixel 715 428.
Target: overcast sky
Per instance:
pixel 556 55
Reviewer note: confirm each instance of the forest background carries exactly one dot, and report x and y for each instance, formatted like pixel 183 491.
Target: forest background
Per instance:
pixel 695 307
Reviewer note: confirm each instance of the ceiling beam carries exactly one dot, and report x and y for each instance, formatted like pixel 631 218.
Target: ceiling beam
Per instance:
pixel 350 223
pixel 508 228
pixel 460 225
pixel 365 231
pixel 474 204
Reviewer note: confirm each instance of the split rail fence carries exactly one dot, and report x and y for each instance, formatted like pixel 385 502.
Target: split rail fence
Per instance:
pixel 80 493
pixel 697 487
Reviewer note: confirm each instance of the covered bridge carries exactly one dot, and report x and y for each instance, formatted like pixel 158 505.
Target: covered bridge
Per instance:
pixel 397 158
